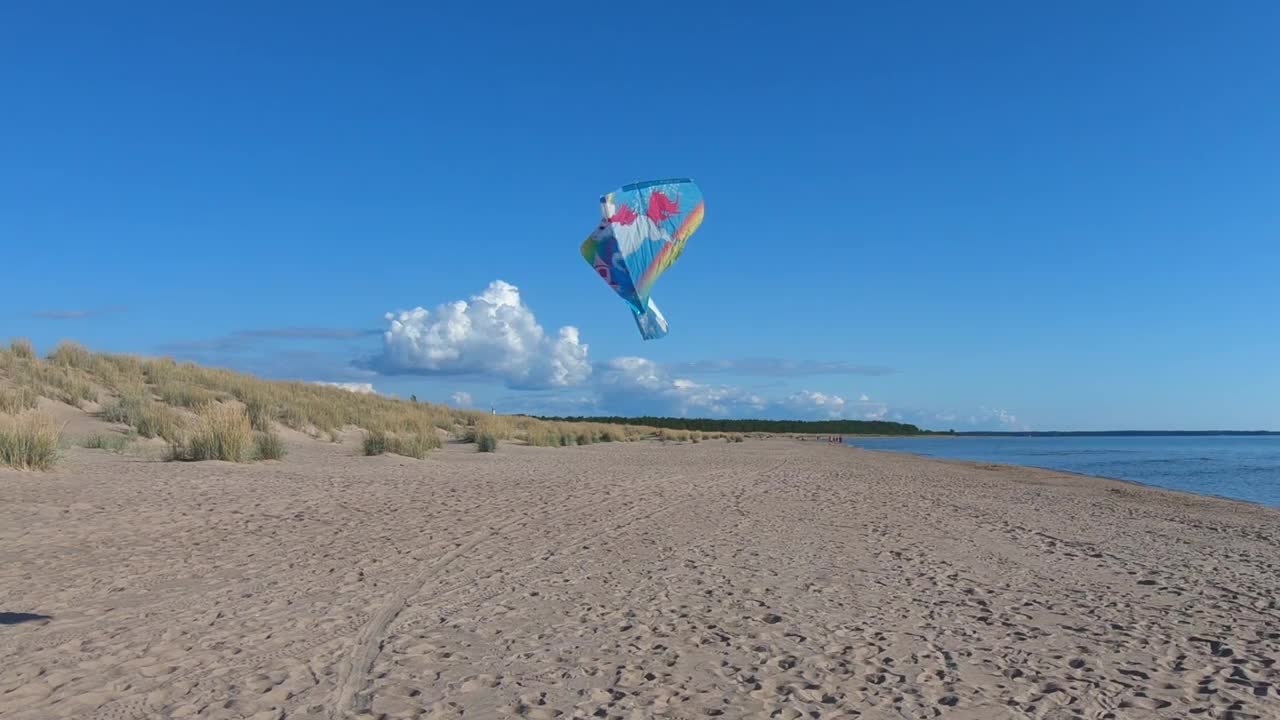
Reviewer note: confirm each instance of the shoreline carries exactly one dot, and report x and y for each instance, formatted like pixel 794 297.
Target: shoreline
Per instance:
pixel 1102 433
pixel 987 464
pixel 1045 468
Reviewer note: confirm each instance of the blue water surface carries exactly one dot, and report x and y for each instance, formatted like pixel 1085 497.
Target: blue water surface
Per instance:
pixel 1241 467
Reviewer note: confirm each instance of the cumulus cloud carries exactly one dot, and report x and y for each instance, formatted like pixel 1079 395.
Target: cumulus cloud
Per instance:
pixel 998 417
pixel 808 402
pixel 639 386
pixel 634 385
pixel 492 334
pixel 363 388
pixel 867 409
pixel 983 418
pixel 495 335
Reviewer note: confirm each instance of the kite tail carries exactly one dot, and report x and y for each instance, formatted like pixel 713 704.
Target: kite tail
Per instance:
pixel 651 323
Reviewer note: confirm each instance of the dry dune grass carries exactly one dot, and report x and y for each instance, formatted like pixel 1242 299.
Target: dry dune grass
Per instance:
pixel 111 442
pixel 409 444
pixel 697 436
pixel 135 408
pixel 221 432
pixel 49 379
pixel 211 413
pixel 16 400
pixel 268 445
pixel 21 348
pixel 561 434
pixel 486 442
pixel 29 441
pixel 542 436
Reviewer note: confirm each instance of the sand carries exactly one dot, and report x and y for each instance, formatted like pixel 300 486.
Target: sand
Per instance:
pixel 772 578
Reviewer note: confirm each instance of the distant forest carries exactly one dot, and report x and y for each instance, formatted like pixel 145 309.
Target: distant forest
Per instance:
pixel 821 427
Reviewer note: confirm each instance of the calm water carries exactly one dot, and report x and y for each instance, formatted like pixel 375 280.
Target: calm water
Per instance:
pixel 1246 468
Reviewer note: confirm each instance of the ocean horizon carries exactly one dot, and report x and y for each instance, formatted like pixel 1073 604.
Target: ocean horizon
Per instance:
pixel 1233 464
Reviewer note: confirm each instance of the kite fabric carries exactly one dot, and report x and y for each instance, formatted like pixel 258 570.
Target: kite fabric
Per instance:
pixel 643 230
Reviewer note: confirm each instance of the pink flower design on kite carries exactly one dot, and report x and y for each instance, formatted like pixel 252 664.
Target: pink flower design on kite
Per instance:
pixel 661 207
pixel 624 215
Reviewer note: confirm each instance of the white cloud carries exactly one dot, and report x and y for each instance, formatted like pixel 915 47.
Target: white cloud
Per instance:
pixel 638 386
pixel 355 387
pixel 809 403
pixel 493 334
pixel 635 385
pixel 983 418
pixel 1002 418
pixel 868 409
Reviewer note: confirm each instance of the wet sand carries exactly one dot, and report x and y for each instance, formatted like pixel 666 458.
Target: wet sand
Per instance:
pixel 772 578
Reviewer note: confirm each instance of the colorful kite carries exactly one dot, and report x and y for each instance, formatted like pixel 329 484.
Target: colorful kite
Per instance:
pixel 643 231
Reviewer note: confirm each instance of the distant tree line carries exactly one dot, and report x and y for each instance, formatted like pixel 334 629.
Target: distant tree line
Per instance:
pixel 820 427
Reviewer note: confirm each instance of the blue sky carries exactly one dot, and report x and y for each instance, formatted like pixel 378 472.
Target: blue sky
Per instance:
pixel 996 215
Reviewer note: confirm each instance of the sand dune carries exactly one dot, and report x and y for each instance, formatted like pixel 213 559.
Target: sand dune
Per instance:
pixel 764 579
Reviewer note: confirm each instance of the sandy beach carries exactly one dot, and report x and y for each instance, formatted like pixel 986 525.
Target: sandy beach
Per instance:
pixel 771 578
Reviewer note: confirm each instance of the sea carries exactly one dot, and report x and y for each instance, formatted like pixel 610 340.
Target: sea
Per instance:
pixel 1243 467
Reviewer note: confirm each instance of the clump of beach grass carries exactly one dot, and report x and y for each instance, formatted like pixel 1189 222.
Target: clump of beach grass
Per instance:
pixel 486 442
pixel 72 388
pixel 499 428
pixel 149 418
pixel 492 427
pixel 260 410
pixel 222 432
pixel 111 442
pixel 268 445
pixel 413 444
pixel 29 441
pixel 542 436
pixel 15 400
pixel 416 445
pixel 181 394
pixel 635 433
pixel 569 434
pixel 21 348
pixel 376 442
pixel 611 433
pixel 70 354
